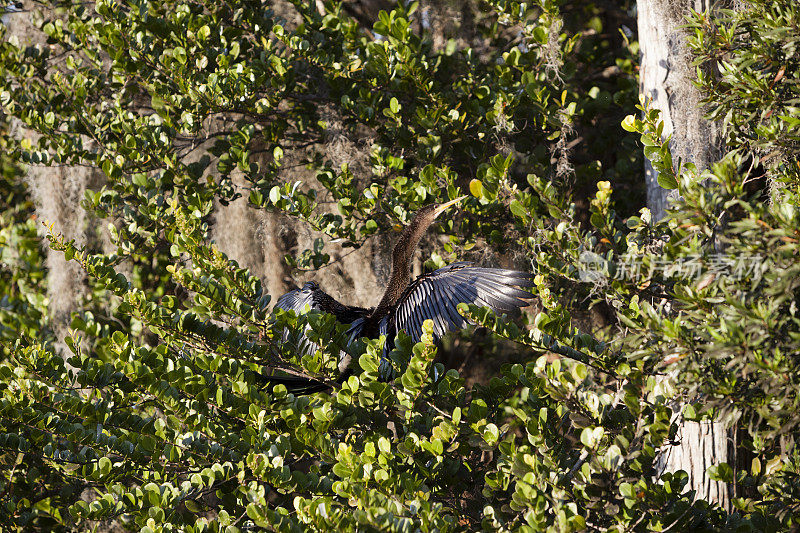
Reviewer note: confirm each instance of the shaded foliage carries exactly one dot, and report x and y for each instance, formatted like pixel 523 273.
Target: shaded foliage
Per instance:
pixel 156 421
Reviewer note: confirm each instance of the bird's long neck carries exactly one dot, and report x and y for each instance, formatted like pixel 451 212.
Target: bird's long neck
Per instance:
pixel 401 262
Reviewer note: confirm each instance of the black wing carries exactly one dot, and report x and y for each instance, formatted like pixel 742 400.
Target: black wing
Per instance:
pixel 436 296
pixel 318 300
pixel 311 298
pixel 298 299
pixel 296 385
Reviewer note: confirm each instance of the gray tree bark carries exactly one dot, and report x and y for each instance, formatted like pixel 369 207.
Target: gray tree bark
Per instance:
pixel 665 77
pixel 666 73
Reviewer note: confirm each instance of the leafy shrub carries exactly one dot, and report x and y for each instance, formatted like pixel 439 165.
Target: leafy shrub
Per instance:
pixel 157 419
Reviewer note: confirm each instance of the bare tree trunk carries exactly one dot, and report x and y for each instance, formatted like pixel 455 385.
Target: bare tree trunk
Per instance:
pixel 700 445
pixel 665 77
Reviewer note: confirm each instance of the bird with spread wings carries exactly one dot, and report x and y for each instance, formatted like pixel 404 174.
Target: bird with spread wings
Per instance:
pixel 407 304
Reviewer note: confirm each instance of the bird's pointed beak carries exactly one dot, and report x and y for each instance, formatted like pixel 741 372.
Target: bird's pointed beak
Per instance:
pixel 442 208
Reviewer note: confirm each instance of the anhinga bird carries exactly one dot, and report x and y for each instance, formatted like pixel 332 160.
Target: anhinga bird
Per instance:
pixel 406 304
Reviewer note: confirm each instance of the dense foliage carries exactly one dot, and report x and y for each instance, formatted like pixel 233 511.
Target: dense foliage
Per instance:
pixel 156 419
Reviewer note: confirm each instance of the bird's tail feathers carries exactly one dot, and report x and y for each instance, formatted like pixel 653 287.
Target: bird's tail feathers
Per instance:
pixel 296 385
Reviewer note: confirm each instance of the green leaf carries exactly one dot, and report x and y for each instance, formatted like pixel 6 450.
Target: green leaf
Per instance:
pixel 667 181
pixel 591 436
pixel 516 208
pixel 629 123
pixel 476 188
pixel 491 434
pixel 275 194
pixel 755 466
pixel 368 363
pixel 179 53
pixel 104 465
